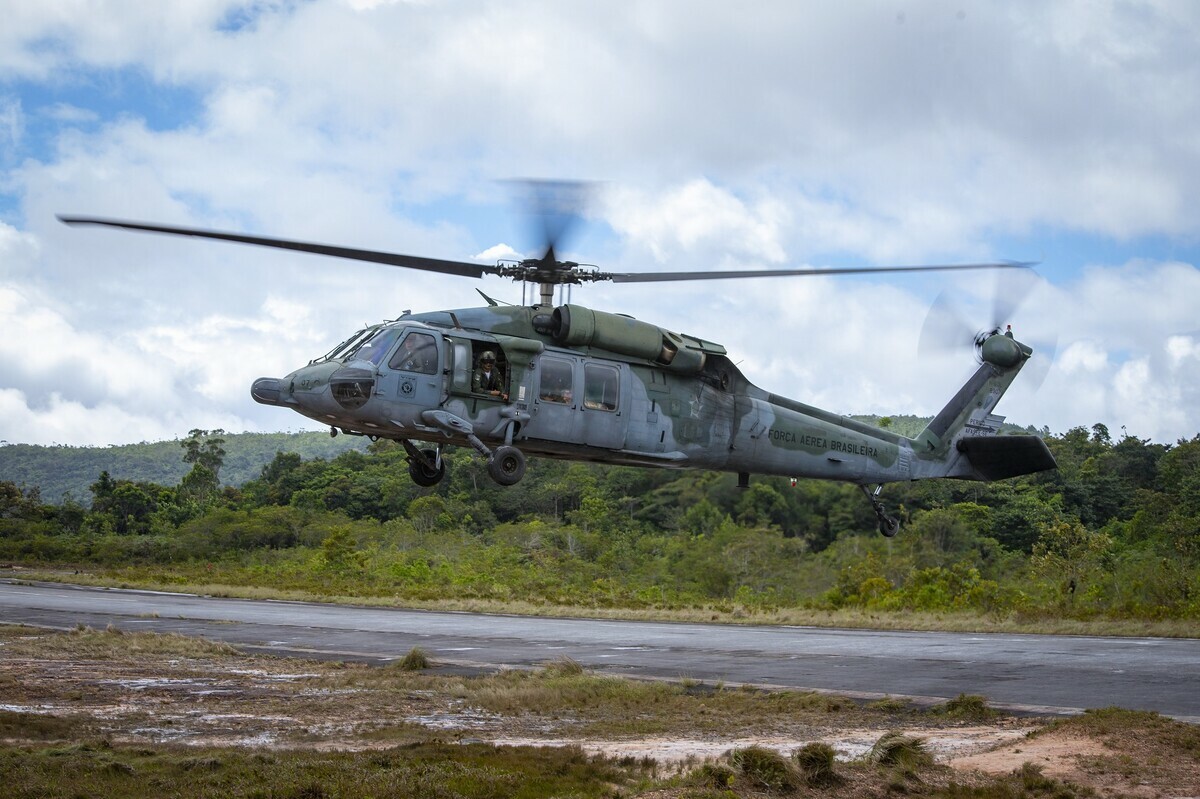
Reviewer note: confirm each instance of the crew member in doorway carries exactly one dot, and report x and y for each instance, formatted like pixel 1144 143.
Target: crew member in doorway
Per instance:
pixel 487 378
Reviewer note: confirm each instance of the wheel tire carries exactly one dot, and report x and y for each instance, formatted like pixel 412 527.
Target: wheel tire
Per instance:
pixel 507 465
pixel 422 475
pixel 889 526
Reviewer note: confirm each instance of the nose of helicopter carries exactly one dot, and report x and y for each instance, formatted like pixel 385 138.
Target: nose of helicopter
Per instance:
pixel 269 391
pixel 320 388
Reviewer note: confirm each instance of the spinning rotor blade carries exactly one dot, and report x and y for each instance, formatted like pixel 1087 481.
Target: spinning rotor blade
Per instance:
pixel 1011 289
pixel 947 330
pixel 557 207
pixel 657 277
pixel 459 268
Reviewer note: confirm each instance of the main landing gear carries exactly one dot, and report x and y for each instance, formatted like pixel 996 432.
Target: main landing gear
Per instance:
pixel 888 525
pixel 506 465
pixel 427 467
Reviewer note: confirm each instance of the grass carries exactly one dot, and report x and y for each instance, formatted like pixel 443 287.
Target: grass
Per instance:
pixel 423 770
pixel 601 705
pixel 764 769
pixel 22 726
pixel 310 706
pixel 816 764
pixel 970 707
pixel 112 642
pixel 713 613
pixel 415 660
pixel 372 702
pixel 897 749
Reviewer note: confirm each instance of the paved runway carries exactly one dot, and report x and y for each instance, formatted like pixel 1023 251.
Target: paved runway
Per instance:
pixel 1046 673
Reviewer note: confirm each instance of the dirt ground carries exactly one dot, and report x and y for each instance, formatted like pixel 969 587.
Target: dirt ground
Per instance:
pixel 215 698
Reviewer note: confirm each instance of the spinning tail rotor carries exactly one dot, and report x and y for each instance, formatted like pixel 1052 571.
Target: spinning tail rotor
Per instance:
pixel 948 329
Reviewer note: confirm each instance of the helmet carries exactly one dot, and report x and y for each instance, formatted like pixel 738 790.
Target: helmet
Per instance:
pixel 487 357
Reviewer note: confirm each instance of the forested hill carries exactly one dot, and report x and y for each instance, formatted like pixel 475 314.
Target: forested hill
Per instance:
pixel 60 470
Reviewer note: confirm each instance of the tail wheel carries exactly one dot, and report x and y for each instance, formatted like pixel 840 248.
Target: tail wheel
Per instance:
pixel 422 474
pixel 507 465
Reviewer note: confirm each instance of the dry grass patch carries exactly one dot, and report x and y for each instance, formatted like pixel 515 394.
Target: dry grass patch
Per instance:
pixel 415 660
pixel 115 643
pixel 793 616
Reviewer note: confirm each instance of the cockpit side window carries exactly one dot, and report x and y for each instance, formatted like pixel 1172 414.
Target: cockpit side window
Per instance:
pixel 416 353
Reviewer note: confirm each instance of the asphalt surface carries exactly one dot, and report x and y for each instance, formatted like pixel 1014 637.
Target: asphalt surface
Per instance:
pixel 1037 673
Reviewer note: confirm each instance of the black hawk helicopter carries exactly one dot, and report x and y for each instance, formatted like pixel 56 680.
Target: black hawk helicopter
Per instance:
pixel 570 382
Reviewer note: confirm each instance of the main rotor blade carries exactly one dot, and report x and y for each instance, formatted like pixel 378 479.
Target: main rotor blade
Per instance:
pixel 655 277
pixel 460 268
pixel 554 208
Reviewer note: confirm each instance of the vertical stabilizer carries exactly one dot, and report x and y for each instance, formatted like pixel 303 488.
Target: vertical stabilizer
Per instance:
pixel 963 441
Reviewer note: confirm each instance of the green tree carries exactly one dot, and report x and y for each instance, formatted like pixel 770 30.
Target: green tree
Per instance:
pixel 338 548
pixel 1070 555
pixel 206 448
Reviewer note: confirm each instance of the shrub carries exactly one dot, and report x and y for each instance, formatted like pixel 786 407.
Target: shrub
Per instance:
pixel 815 761
pixel 967 706
pixel 415 660
pixel 895 748
pixel 564 666
pixel 765 769
pixel 712 775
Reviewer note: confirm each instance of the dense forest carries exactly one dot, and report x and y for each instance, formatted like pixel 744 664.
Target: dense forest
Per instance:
pixel 1113 533
pixel 60 472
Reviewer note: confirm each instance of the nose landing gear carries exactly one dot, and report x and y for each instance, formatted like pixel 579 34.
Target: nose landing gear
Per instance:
pixel 426 467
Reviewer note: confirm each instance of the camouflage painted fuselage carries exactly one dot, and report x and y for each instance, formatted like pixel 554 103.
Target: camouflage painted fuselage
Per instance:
pixel 585 385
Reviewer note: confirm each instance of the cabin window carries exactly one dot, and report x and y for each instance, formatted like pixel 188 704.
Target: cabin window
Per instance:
pixel 417 353
pixel 601 387
pixel 557 382
pixel 462 365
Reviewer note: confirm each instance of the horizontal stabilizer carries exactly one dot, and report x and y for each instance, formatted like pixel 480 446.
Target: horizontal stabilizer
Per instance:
pixel 998 457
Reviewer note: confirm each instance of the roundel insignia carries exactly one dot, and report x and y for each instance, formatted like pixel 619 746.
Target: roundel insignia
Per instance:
pixel 406 387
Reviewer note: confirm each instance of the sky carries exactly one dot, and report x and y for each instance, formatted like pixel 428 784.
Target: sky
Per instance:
pixel 715 136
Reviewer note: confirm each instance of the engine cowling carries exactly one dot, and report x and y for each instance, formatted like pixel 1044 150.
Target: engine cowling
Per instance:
pixel 577 326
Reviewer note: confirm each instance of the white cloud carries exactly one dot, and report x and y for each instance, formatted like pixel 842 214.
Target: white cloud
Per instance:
pixel 698 218
pixel 497 252
pixel 731 139
pixel 67 113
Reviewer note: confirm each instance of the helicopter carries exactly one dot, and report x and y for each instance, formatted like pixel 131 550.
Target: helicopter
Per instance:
pixel 576 383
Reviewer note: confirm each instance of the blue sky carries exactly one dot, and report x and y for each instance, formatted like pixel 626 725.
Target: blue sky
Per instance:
pixel 784 135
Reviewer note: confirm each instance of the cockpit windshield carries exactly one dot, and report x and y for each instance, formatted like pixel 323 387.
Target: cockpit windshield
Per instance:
pixel 375 347
pixel 348 345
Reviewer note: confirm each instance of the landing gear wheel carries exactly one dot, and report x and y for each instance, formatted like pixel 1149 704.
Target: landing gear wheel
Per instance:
pixel 507 465
pixel 422 474
pixel 888 525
